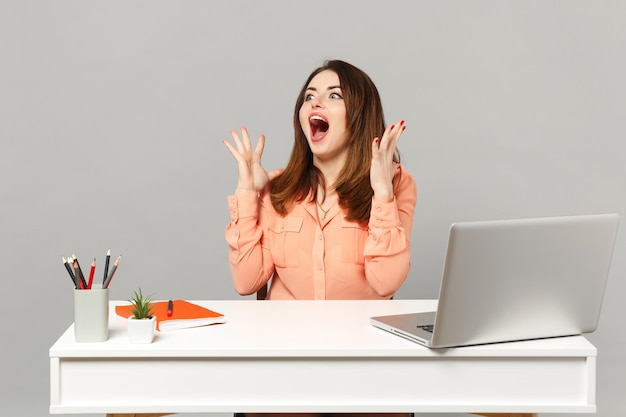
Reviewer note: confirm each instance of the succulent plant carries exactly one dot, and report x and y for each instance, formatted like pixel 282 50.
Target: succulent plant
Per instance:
pixel 142 306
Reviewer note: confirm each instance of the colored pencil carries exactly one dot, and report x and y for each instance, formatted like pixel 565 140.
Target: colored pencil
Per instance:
pixel 79 273
pixel 92 270
pixel 110 277
pixel 70 272
pixel 106 268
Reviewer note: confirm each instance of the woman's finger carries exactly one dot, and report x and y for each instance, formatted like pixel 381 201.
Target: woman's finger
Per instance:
pixel 234 152
pixel 237 140
pixel 246 139
pixel 260 146
pixel 390 137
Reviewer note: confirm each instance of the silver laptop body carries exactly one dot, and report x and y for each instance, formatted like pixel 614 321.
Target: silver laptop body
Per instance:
pixel 508 280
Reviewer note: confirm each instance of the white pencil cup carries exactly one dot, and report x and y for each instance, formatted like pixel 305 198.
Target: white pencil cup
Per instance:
pixel 91 315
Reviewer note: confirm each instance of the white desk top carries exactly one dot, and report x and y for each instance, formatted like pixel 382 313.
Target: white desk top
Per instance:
pixel 315 356
pixel 301 328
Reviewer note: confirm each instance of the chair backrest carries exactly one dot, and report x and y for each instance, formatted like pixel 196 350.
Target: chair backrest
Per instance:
pixel 261 294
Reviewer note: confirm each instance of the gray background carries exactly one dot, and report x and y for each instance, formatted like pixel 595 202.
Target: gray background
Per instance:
pixel 112 115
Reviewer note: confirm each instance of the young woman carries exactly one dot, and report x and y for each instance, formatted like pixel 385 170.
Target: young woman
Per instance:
pixel 336 222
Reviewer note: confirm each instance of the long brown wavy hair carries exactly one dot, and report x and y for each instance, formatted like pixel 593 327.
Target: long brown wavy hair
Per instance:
pixel 365 121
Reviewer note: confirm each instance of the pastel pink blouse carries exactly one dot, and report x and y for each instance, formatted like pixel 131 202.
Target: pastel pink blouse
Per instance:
pixel 306 259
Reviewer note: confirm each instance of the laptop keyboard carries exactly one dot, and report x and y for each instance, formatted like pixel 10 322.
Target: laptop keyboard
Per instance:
pixel 427 327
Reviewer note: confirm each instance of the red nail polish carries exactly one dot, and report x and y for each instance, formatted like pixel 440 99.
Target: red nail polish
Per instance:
pixel 401 122
pixel 403 127
pixel 392 126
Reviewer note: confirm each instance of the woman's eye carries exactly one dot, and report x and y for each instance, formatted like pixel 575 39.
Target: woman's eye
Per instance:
pixel 335 95
pixel 308 97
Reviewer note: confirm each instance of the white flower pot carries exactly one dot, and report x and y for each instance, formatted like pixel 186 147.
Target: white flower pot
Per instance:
pixel 141 331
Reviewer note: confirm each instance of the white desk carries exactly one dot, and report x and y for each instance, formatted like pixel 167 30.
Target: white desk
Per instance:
pixel 323 356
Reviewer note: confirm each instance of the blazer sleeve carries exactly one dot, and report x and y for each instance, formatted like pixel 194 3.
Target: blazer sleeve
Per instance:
pixel 251 265
pixel 387 250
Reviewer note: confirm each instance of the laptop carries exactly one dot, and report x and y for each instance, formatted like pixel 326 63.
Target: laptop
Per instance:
pixel 509 280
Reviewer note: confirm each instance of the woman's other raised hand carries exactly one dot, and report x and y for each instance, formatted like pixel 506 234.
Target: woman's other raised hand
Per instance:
pixel 252 175
pixel 383 166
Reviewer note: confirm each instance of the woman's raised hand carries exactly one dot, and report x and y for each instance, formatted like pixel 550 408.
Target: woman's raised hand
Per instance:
pixel 252 176
pixel 383 167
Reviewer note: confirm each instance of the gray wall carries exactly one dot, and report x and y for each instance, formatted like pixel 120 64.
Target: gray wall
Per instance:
pixel 112 115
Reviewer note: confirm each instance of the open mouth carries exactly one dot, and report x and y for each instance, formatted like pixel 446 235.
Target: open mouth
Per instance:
pixel 319 126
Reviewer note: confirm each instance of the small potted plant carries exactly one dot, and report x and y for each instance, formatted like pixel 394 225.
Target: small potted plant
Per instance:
pixel 142 323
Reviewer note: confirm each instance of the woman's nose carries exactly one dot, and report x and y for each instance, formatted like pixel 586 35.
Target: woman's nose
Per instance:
pixel 316 103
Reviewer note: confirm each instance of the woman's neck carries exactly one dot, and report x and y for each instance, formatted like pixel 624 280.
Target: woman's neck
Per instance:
pixel 330 171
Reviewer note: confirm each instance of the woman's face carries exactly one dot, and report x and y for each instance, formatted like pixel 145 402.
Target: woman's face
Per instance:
pixel 323 118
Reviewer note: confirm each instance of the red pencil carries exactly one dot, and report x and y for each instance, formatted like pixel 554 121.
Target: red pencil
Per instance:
pixel 91 272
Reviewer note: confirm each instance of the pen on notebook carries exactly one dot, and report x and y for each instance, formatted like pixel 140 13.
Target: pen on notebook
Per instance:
pixel 79 273
pixel 106 267
pixel 92 270
pixel 170 308
pixel 69 271
pixel 110 277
